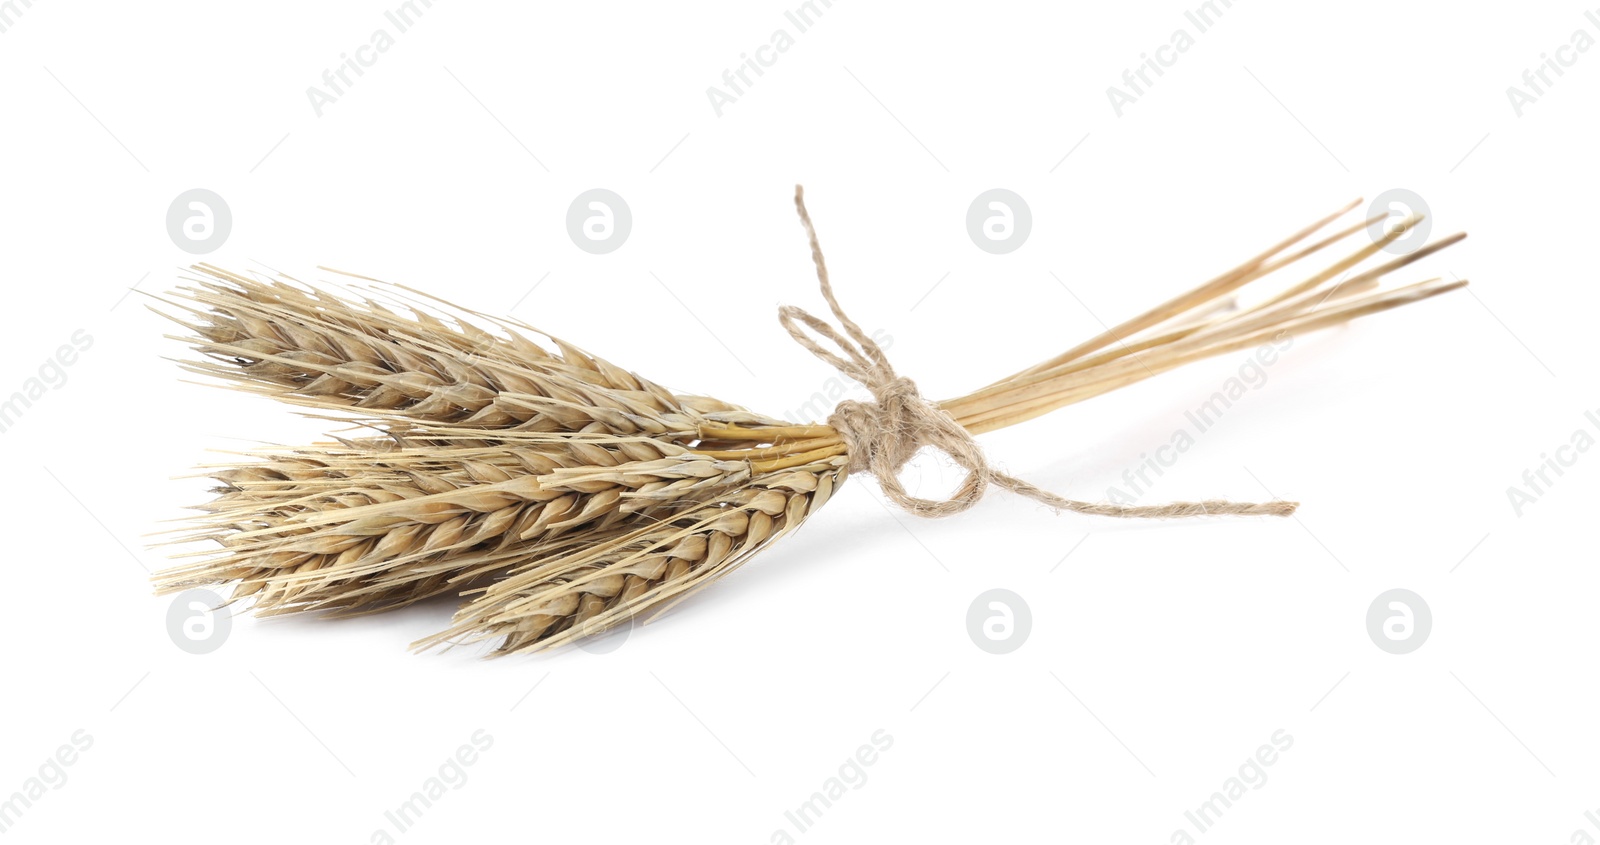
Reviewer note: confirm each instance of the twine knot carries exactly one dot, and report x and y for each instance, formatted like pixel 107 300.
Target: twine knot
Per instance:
pixel 881 436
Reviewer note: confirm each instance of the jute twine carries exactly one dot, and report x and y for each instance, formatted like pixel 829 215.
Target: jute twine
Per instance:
pixel 884 434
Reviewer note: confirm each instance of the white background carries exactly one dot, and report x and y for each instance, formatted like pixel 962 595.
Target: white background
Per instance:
pixel 1161 654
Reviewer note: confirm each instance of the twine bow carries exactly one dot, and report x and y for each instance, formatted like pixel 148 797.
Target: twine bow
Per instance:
pixel 883 435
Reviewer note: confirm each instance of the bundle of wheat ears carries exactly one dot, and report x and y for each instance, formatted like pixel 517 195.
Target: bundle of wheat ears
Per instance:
pixel 561 495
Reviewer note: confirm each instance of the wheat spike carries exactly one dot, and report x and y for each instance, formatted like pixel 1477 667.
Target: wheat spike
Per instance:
pixel 553 601
pixel 318 350
pixel 364 525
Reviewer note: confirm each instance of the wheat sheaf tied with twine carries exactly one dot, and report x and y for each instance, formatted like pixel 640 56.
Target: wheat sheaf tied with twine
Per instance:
pixel 560 495
pixel 882 436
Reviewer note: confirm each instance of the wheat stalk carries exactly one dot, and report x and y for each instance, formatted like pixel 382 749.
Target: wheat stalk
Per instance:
pixel 562 495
